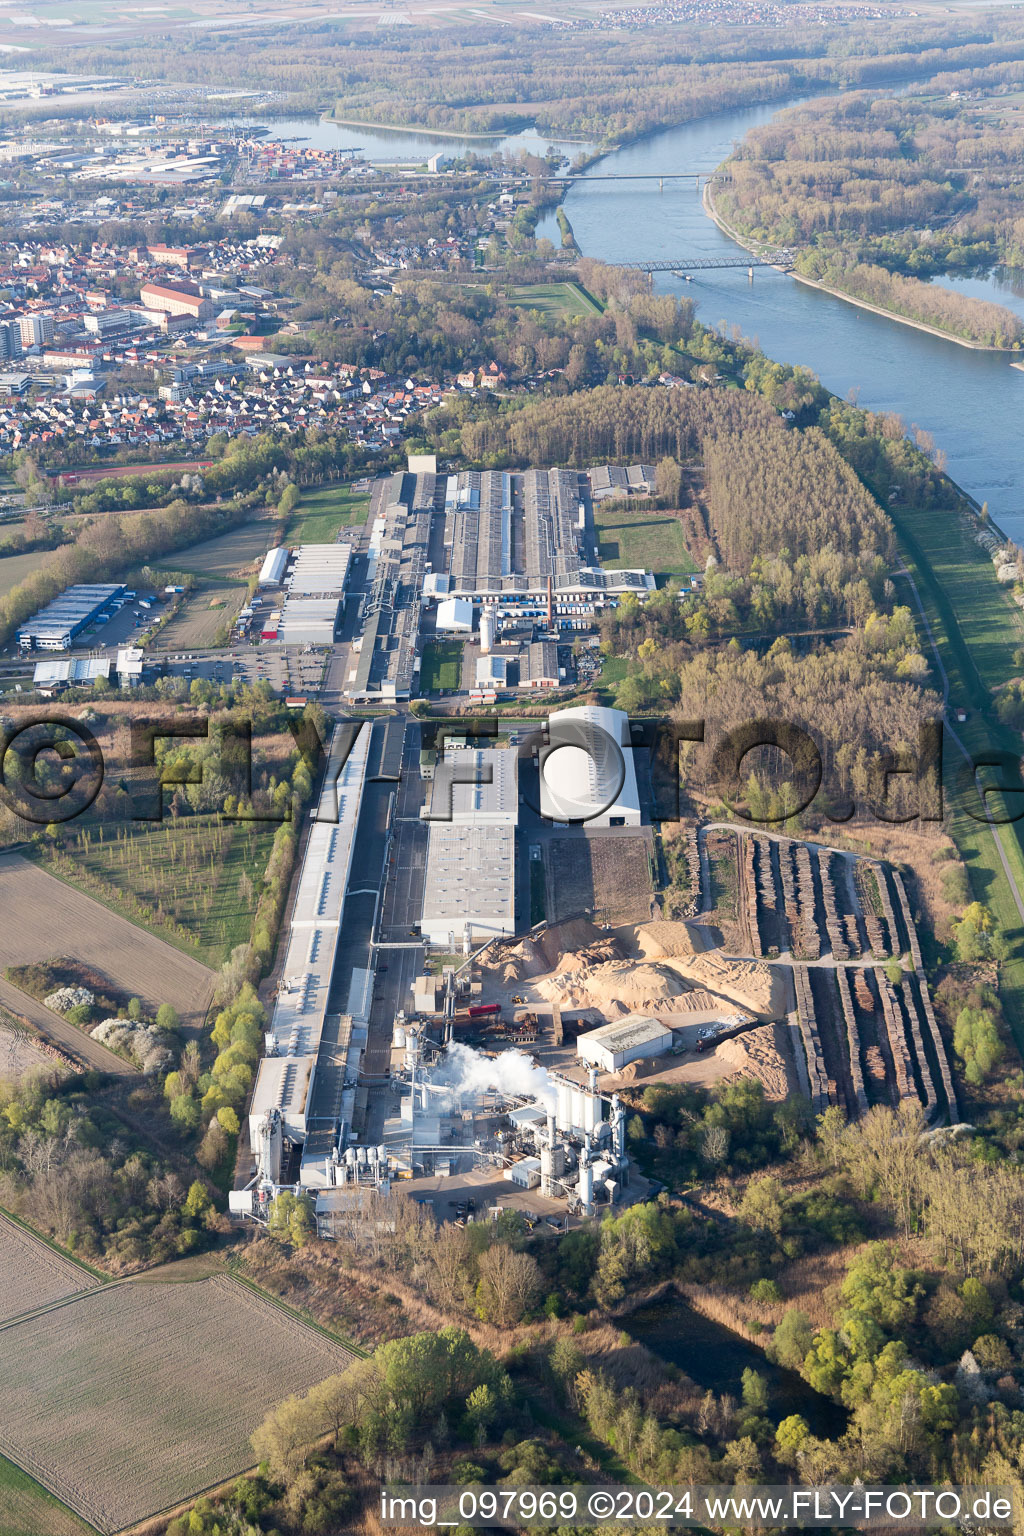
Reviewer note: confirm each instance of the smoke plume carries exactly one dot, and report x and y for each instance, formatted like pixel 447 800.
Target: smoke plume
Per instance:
pixel 510 1072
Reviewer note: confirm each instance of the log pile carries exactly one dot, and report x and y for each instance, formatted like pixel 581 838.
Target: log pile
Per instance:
pixel 852 1040
pixel 823 1091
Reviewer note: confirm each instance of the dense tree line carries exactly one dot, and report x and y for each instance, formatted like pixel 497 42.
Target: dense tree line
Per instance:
pixel 960 314
pixel 109 545
pixel 592 84
pixel 855 180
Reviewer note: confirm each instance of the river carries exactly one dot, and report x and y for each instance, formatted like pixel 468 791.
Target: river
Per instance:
pixel 970 402
pixel 390 146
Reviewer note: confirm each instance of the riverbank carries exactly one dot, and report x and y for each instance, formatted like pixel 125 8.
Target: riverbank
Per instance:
pixel 891 314
pixel 426 133
pixel 848 298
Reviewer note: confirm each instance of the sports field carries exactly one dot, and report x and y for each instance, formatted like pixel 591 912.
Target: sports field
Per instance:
pixel 322 512
pixel 134 1397
pixel 643 540
pixel 441 667
pixel 556 299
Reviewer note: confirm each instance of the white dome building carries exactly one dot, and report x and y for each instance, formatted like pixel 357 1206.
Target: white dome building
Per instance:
pixel 586 769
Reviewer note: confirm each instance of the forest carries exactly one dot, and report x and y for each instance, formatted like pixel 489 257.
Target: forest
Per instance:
pixel 591 85
pixel 876 193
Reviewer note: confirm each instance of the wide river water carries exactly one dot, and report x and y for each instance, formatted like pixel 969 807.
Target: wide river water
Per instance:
pixel 971 402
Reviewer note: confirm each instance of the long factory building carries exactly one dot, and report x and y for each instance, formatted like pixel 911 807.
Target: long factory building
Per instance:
pixel 510 538
pixel 312 589
pixel 57 626
pixel 469 884
pixel 300 1092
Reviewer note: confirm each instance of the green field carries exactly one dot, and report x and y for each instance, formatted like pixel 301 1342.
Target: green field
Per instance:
pixel 15 568
pixel 26 1509
pixel 643 540
pixel 976 627
pixel 226 554
pixel 556 299
pixel 321 513
pixel 441 667
pixel 182 879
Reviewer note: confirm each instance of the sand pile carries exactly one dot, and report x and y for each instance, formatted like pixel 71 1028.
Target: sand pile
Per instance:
pixel 616 987
pixel 752 984
pixel 760 1053
pixel 565 946
pixel 660 938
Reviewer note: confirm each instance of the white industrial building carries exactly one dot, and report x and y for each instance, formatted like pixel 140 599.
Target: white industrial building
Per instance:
pixel 491 674
pixel 314 589
pixel 274 566
pixel 635 1038
pixel 587 773
pixel 469 889
pixel 308 621
pixel 475 786
pixel 320 570
pixel 454 616
pixel 70 672
pixel 129 664
pixel 473 809
pixel 525 1172
pixel 287 1083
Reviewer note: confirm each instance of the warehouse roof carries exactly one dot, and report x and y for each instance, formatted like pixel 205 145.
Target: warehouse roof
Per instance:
pixel 470 874
pixel 625 1034
pixel 480 784
pixel 320 570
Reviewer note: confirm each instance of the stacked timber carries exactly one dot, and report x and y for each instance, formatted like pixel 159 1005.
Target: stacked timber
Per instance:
pixel 930 1024
pixel 893 1017
pixel 692 855
pixel 887 909
pixel 833 923
pixel 806 936
pixel 852 1039
pixel 822 1091
pixel 750 896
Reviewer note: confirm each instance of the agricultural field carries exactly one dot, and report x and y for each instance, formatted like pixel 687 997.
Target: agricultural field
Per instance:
pixel 441 667
pixel 20 1050
pixel 32 1274
pixel 227 554
pixel 15 568
pixel 26 1509
pixel 320 514
pixel 104 1404
pixel 556 299
pixel 41 916
pixel 207 609
pixel 643 540
pixel 194 877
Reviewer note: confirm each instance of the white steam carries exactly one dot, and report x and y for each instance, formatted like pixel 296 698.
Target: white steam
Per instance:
pixel 510 1072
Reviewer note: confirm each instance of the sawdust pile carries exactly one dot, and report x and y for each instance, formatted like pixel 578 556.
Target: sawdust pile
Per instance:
pixel 660 938
pixel 615 987
pixel 760 1053
pixel 568 946
pixel 752 984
